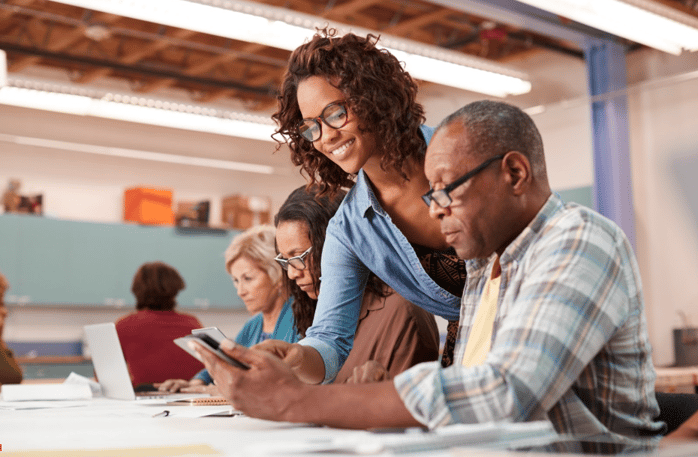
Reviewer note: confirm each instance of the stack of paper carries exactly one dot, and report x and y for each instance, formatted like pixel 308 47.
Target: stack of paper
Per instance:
pixel 42 392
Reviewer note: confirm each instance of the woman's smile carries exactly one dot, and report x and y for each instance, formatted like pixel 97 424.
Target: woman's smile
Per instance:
pixel 339 152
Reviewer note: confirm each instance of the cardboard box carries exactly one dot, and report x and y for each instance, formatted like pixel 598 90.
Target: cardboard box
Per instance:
pixel 185 210
pixel 192 214
pixel 148 206
pixel 242 212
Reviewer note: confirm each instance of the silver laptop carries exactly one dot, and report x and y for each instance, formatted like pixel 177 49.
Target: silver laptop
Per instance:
pixel 111 369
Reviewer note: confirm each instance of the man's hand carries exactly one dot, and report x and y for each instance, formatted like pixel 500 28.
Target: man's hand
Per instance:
pixel 176 385
pixel 291 354
pixel 268 390
pixel 305 361
pixel 370 371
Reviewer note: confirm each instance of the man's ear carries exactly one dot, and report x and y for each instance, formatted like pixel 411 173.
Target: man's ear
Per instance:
pixel 517 169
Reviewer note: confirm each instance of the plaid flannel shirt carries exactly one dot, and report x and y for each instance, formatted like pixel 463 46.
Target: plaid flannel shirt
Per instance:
pixel 569 343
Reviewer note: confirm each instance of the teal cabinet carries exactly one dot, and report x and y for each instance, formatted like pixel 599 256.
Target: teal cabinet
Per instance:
pixel 46 369
pixel 56 262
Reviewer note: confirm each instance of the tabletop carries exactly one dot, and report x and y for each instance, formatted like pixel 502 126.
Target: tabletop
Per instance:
pixel 105 428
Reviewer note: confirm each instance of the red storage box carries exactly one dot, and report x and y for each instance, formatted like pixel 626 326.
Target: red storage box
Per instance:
pixel 148 206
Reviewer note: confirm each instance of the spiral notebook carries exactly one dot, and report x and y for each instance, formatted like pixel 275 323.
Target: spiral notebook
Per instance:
pixel 208 401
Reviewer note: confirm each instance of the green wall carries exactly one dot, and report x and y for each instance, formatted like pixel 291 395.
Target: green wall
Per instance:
pixel 58 262
pixel 581 195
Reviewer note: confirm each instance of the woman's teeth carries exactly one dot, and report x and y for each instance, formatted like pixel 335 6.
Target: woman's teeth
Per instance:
pixel 340 150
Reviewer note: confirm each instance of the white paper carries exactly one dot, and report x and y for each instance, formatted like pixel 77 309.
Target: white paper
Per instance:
pixel 36 392
pixel 22 405
pixel 75 378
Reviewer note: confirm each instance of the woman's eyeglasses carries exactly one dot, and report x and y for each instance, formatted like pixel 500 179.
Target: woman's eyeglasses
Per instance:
pixel 334 115
pixel 297 262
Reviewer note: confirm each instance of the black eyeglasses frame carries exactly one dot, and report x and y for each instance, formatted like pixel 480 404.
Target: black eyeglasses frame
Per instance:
pixel 322 119
pixel 444 194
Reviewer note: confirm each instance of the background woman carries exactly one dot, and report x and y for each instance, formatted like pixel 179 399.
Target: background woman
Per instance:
pixel 392 334
pixel 258 279
pixel 146 335
pixel 348 111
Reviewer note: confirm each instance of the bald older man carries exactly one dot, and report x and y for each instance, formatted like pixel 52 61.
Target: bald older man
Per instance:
pixel 552 318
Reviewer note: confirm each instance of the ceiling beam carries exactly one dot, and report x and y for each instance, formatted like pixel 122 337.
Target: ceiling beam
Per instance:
pixel 412 28
pixel 405 27
pixel 263 79
pixel 348 8
pixel 135 56
pixel 203 67
pixel 137 70
pixel 61 42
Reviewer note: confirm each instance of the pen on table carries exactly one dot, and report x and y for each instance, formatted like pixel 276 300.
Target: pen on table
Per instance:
pixel 162 414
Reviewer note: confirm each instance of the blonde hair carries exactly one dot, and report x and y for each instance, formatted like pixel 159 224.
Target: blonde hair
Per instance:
pixel 257 244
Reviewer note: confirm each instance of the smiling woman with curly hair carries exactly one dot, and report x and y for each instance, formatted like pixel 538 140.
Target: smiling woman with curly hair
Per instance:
pixel 349 114
pixel 377 91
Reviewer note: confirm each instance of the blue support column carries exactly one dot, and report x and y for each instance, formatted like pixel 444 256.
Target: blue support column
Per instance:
pixel 613 192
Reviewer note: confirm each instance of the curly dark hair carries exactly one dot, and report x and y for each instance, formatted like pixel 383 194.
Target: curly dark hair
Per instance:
pixel 155 285
pixel 307 206
pixel 377 90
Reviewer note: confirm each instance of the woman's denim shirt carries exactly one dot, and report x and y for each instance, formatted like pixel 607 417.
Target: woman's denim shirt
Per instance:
pixel 361 238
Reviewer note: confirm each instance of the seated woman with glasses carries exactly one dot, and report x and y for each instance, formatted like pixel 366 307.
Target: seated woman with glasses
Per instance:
pixel 259 282
pixel 392 334
pixel 349 114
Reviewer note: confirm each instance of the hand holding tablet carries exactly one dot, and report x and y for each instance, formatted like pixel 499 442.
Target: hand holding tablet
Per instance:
pixel 210 338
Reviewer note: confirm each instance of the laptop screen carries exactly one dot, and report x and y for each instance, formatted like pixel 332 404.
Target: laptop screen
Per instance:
pixel 109 362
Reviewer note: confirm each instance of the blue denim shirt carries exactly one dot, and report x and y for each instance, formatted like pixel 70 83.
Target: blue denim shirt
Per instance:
pixel 362 238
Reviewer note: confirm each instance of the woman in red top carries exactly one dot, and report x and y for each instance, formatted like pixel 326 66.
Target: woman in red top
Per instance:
pixel 147 335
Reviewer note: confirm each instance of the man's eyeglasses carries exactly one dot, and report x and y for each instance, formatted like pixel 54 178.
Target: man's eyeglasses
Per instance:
pixel 297 262
pixel 334 115
pixel 442 197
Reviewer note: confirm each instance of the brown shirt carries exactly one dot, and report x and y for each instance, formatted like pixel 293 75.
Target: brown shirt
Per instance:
pixel 10 372
pixel 394 333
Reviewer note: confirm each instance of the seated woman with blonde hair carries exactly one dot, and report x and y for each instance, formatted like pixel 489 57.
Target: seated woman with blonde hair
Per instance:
pixel 258 279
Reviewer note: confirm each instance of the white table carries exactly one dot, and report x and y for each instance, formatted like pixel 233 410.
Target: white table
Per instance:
pixel 114 424
pixel 106 428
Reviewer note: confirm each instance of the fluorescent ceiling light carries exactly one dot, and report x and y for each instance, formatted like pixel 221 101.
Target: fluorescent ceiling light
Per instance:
pixel 89 102
pixel 643 21
pixel 138 154
pixel 462 77
pixel 286 29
